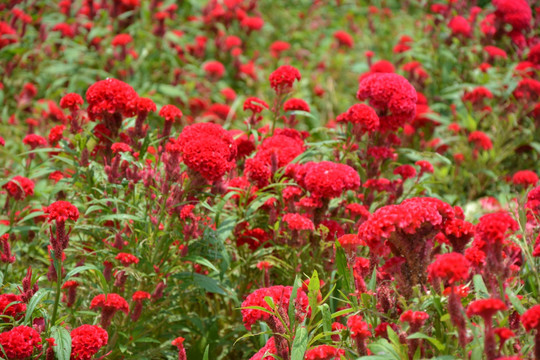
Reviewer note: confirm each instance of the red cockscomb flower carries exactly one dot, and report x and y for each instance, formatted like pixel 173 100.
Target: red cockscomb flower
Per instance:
pixel 363 118
pixel 280 295
pixel 324 352
pixel 108 97
pixel 452 267
pixel 60 211
pixel 295 104
pixel 19 187
pixel 86 341
pixel 328 179
pixel 71 101
pixel 34 141
pixel 21 342
pixel 344 38
pixel 525 178
pixel 282 79
pixel 389 93
pixel 127 259
pixel 109 304
pixel 208 149
pixel 298 222
pixel 255 104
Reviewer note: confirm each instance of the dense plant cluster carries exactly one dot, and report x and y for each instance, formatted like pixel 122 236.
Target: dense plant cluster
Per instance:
pixel 261 180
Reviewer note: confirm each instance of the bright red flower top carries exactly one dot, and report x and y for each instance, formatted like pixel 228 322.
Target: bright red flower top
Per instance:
pixel 415 318
pixel 127 259
pixel 34 141
pixel 295 104
pixel 362 115
pixel 170 113
pixel 298 222
pixel 485 308
pixel 412 215
pixel 452 267
pixel 525 178
pixel 20 342
pixel 71 101
pixel 279 294
pixel 324 352
pixel 531 318
pixel 86 340
pixel 110 96
pixel 61 211
pixel 110 302
pixel 140 295
pixel 15 310
pixel 517 13
pixel 145 105
pixel 282 79
pixel 389 93
pixel 266 352
pixel 344 38
pixel 121 40
pixel 120 147
pixel 255 104
pixel 328 179
pixel 208 149
pixel 358 327
pixel 19 187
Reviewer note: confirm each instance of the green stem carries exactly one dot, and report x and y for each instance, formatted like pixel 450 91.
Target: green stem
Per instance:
pixel 58 267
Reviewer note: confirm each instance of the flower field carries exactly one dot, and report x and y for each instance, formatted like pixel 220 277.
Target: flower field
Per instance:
pixel 290 180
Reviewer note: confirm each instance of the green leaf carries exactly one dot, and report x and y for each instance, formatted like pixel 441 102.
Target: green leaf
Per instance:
pixel 62 339
pixel 292 299
pixel 300 344
pixel 343 270
pixel 515 301
pixel 313 292
pixel 480 287
pixel 327 318
pixel 33 303
pixel 205 356
pixel 432 340
pixel 80 269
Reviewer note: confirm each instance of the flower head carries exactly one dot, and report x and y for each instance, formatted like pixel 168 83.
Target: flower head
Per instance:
pixel 20 342
pixel 60 211
pixel 19 187
pixel 282 79
pixel 86 340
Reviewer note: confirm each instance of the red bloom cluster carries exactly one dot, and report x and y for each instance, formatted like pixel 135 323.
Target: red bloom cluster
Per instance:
pixel 60 211
pixel 20 342
pixel 452 267
pixel 281 148
pixel 495 227
pixel 279 294
pixel 416 215
pixel 120 147
pixel 34 141
pixel 298 222
pixel 324 352
pixel 295 104
pixel 255 104
pixel 415 318
pixel 282 79
pixel 389 93
pixel 121 40
pixel 127 259
pixel 525 178
pixel 531 318
pixel 109 304
pixel 514 12
pixel 358 327
pixel 266 352
pixel 208 149
pixel 170 113
pixel 327 179
pixel 86 340
pixel 363 117
pixel 485 308
pixel 108 97
pixel 344 38
pixel 15 310
pixel 460 26
pixel 19 187
pixel 214 69
pixel 481 140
